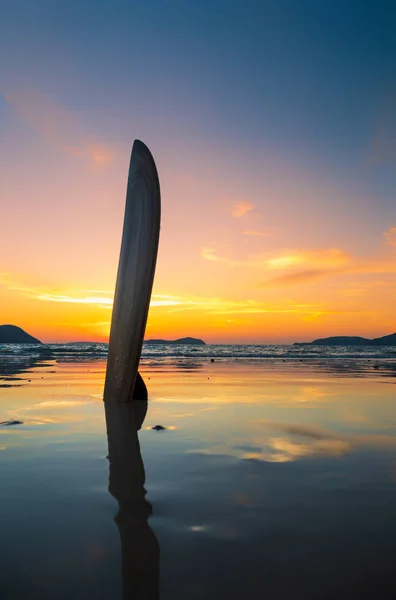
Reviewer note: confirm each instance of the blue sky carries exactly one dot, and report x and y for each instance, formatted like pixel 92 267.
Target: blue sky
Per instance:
pixel 309 78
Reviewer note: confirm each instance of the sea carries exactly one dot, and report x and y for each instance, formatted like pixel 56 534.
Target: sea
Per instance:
pixel 258 472
pixel 224 352
pixel 338 359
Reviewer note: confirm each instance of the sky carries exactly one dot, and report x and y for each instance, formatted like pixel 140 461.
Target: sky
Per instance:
pixel 273 127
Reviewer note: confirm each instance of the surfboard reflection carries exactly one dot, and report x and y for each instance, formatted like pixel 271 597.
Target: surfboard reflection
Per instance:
pixel 139 545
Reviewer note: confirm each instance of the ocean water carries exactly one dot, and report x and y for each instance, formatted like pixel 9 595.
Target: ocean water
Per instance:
pixel 89 351
pixel 275 475
pixel 337 359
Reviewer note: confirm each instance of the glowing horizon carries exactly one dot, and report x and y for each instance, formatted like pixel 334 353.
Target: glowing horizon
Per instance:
pixel 234 319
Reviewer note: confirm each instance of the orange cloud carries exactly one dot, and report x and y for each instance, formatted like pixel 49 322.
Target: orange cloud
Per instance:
pixel 257 233
pixel 322 259
pixel 307 266
pixel 94 153
pixel 295 267
pixel 54 123
pixel 312 263
pixel 241 208
pixel 302 276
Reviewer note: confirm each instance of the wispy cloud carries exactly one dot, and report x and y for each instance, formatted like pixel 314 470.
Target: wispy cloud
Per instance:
pixel 209 253
pixel 307 276
pixel 173 302
pixel 106 300
pixel 390 237
pixel 304 267
pixel 257 233
pixel 321 259
pixel 77 299
pixel 292 267
pixel 96 324
pixel 222 306
pixel 241 208
pixel 308 266
pixel 165 300
pixel 309 263
pixel 55 124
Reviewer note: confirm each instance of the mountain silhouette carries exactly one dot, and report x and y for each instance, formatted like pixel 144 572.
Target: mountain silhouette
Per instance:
pixel 186 340
pixel 11 334
pixel 346 340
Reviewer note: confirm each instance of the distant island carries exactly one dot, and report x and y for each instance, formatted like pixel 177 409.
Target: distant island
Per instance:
pixel 346 340
pixel 187 340
pixel 11 334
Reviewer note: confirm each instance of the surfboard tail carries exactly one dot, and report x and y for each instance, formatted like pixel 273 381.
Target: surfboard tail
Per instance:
pixel 138 256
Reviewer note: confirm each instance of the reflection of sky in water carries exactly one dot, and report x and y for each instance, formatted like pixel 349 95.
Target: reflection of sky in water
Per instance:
pixel 270 483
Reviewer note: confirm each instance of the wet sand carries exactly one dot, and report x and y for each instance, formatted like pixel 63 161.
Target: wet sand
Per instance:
pixel 271 479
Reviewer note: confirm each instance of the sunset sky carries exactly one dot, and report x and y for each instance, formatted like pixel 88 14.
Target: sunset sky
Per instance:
pixel 273 127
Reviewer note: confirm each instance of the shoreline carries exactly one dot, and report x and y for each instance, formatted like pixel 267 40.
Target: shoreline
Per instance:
pixel 26 370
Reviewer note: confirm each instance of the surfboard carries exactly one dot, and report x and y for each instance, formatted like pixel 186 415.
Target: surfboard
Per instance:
pixel 136 267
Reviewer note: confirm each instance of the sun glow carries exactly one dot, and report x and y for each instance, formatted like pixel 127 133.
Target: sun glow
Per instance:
pixel 243 267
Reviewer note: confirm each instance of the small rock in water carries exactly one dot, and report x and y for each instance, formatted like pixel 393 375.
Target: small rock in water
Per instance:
pixel 158 428
pixel 7 423
pixel 212 360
